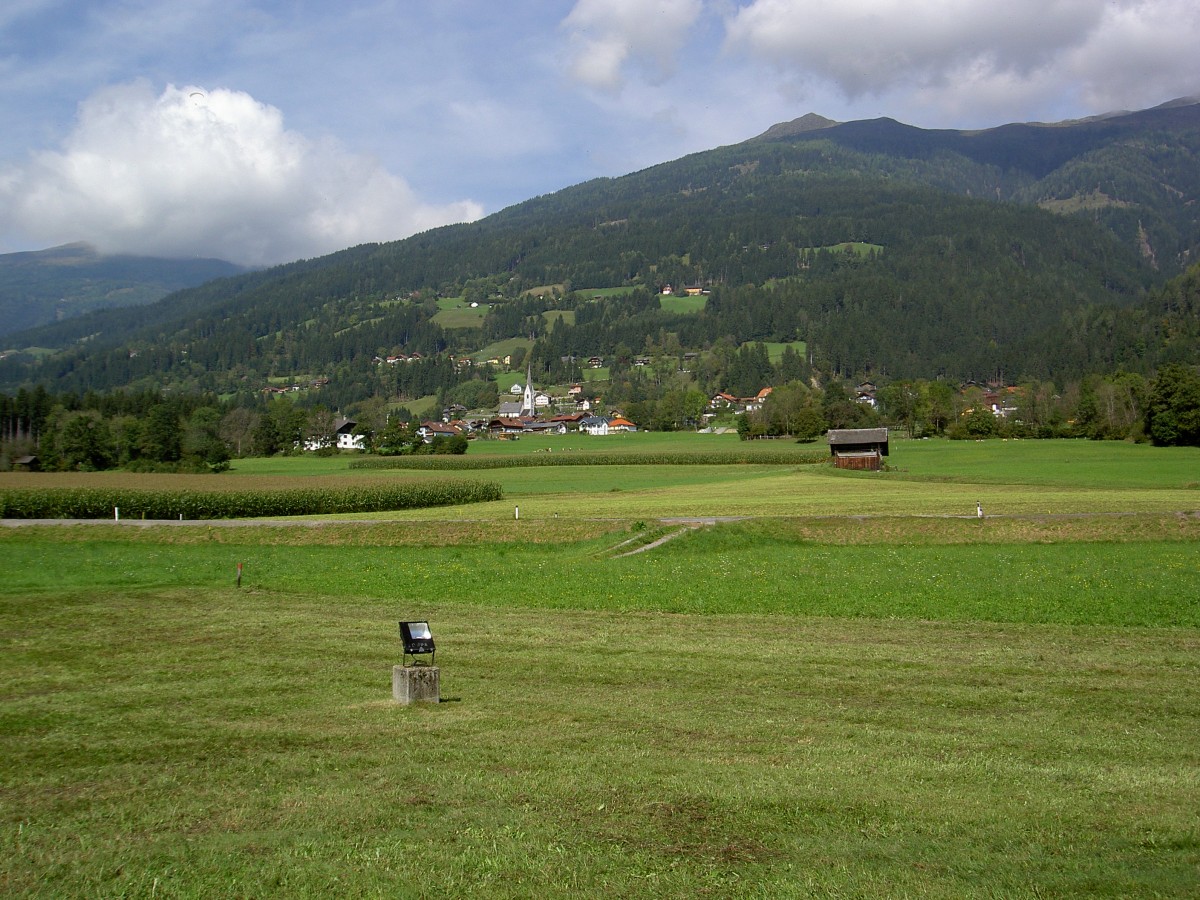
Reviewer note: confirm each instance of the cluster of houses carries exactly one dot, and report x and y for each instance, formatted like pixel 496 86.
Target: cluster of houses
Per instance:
pixel 394 359
pixel 1002 401
pixel 507 427
pixel 724 401
pixel 527 415
pixel 514 418
pixel 501 427
pixel 295 387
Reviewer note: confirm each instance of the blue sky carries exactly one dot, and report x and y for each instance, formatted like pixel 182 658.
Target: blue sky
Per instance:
pixel 268 131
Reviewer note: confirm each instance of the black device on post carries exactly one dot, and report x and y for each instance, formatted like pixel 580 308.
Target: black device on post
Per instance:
pixel 418 640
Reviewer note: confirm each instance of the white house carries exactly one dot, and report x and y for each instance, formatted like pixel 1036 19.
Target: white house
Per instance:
pixel 594 425
pixel 343 437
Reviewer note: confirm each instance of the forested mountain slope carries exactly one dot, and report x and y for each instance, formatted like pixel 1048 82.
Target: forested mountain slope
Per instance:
pixel 1136 173
pixel 1021 251
pixel 43 286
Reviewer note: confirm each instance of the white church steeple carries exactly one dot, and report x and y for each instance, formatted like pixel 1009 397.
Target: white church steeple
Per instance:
pixel 527 403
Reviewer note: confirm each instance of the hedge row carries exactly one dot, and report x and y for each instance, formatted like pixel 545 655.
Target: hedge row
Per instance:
pixel 633 458
pixel 100 503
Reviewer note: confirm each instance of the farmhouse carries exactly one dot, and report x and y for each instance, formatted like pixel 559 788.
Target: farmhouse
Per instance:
pixel 342 437
pixel 504 425
pixel 430 430
pixel 751 404
pixel 570 421
pixel 858 448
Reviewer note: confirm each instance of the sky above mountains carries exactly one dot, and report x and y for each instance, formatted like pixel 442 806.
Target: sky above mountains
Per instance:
pixel 262 132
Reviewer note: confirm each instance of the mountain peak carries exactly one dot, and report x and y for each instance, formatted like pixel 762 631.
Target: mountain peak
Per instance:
pixel 809 122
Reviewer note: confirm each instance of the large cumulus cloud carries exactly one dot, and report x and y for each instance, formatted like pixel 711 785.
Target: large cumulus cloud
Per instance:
pixel 953 53
pixel 189 172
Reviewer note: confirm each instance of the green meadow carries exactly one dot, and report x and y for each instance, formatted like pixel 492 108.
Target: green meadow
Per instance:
pixel 755 680
pixel 682 303
pixel 775 350
pixel 456 312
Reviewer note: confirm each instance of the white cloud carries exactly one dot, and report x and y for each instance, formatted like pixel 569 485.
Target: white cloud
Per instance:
pixel 1142 53
pixel 207 173
pixel 608 34
pixel 946 52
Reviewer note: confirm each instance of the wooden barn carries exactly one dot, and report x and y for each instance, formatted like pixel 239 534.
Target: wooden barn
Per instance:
pixel 858 448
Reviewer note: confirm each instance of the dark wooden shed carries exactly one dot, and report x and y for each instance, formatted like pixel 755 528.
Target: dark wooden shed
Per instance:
pixel 858 448
pixel 26 464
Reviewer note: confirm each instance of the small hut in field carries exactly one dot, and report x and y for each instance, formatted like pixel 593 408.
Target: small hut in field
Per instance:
pixel 858 448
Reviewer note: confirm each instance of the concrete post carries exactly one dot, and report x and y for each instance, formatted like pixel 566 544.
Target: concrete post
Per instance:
pixel 416 684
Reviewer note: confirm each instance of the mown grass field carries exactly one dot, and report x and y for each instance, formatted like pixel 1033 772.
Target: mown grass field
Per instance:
pixel 860 690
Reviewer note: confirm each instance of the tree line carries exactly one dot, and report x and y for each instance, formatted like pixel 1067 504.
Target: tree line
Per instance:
pixel 148 431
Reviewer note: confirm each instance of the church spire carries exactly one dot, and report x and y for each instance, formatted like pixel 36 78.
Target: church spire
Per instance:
pixel 527 403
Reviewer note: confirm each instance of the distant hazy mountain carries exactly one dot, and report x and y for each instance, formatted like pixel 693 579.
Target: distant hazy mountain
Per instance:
pixel 43 286
pixel 1024 250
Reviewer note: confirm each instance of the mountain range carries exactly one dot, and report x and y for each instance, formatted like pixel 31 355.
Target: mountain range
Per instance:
pixel 1027 250
pixel 41 286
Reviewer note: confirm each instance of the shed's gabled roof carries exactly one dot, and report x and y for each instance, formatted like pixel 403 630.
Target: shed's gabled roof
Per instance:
pixel 857 436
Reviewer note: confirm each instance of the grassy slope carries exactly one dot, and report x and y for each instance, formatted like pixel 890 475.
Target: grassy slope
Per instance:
pixel 682 304
pixel 846 705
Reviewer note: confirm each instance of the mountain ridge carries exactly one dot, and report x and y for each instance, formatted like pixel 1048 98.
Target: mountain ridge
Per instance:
pixel 972 264
pixel 67 280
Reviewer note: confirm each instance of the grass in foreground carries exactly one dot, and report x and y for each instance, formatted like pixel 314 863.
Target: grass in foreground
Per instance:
pixel 181 742
pixel 867 704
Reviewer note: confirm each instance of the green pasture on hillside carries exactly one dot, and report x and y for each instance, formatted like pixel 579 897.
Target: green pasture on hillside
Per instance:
pixel 677 303
pixel 859 690
pixel 554 316
pixel 592 293
pixel 544 289
pixel 775 350
pixel 499 350
pixel 856 248
pixel 455 312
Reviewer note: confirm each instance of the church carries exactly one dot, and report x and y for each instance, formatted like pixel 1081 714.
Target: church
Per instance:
pixel 526 407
